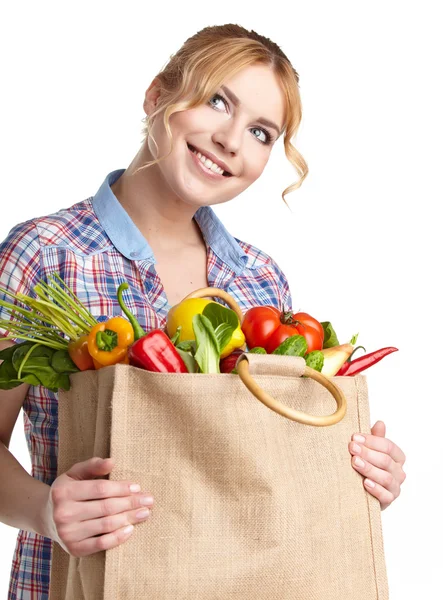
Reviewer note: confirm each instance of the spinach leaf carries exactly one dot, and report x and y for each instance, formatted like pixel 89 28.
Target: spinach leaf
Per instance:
pixel 6 353
pixel 331 338
pixel 8 377
pixel 61 362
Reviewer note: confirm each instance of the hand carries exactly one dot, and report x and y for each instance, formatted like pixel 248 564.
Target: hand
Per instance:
pixel 383 464
pixel 86 515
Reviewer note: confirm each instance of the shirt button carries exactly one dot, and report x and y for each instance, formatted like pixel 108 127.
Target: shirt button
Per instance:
pixel 133 254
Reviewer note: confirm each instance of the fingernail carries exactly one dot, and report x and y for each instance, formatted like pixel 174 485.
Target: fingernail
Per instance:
pixel 358 438
pixel 142 514
pixel 359 462
pixel 356 448
pixel 128 529
pixel 369 483
pixel 134 487
pixel 146 500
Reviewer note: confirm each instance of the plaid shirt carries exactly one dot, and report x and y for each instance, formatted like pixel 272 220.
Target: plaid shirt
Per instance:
pixel 94 246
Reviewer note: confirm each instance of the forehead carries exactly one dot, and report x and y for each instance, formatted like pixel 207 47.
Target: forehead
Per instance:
pixel 259 91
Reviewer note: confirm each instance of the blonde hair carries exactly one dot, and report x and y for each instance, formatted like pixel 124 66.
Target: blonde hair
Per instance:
pixel 213 55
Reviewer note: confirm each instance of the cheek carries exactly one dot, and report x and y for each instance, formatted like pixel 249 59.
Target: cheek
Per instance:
pixel 255 162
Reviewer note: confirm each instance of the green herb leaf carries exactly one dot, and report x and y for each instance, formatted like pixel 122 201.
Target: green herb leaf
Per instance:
pixel 208 353
pixel 315 360
pixel 354 339
pixel 331 338
pixel 295 345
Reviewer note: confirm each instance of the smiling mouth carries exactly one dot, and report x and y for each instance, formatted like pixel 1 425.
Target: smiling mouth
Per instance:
pixel 225 173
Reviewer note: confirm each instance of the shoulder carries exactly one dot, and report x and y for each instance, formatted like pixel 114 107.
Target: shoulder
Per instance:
pixel 256 258
pixel 75 227
pixel 264 278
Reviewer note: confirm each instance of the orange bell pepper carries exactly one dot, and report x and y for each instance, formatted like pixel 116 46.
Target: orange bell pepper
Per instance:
pixel 79 353
pixel 108 342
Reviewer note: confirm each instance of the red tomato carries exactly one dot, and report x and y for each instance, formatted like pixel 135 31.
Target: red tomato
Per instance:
pixel 268 327
pixel 313 330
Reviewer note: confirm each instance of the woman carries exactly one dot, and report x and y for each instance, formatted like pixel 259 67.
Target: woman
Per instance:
pixel 214 114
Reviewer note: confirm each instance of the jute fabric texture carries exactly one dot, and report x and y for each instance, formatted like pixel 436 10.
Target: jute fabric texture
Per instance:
pixel 249 505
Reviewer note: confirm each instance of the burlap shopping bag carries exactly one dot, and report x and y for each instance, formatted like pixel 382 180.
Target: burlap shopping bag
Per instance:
pixel 249 505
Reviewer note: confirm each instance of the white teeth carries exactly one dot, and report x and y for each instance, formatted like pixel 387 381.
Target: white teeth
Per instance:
pixel 208 163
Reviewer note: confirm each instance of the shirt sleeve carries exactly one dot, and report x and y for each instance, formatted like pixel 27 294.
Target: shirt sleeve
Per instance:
pixel 19 268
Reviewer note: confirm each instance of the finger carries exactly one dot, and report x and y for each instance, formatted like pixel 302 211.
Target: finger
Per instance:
pixel 94 509
pixel 379 428
pixel 102 542
pixel 381 444
pixel 383 478
pixel 93 467
pixel 76 532
pixel 384 496
pixel 378 459
pixel 96 489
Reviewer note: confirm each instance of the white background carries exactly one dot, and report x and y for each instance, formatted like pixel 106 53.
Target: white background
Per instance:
pixel 362 244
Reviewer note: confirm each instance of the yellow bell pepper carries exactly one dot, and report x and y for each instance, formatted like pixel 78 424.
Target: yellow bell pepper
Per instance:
pixel 181 315
pixel 108 342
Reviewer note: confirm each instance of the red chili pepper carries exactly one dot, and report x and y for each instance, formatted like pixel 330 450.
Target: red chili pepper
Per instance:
pixel 364 362
pixel 152 351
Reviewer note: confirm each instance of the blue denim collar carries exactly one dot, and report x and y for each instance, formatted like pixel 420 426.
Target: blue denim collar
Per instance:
pixel 128 239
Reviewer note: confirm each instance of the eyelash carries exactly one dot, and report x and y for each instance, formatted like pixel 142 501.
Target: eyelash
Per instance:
pixel 269 137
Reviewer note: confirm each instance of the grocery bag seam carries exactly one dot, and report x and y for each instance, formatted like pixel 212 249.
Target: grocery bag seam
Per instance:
pixel 367 500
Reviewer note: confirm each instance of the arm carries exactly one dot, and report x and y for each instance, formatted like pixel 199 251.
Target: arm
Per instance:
pixel 21 498
pixel 80 511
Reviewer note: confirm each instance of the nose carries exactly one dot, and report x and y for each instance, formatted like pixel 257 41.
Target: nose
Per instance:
pixel 229 137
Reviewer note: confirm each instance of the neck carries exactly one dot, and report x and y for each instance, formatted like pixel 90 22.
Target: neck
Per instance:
pixel 161 216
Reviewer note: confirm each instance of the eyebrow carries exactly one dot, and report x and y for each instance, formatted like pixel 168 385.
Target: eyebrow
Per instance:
pixel 233 98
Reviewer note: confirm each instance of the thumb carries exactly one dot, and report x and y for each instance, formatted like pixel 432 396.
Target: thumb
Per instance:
pixel 379 428
pixel 93 467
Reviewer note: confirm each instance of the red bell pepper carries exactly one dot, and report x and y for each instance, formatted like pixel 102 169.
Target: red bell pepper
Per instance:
pixel 151 351
pixel 155 352
pixel 364 362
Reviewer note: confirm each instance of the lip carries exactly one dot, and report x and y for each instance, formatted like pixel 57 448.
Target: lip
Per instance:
pixel 214 159
pixel 209 174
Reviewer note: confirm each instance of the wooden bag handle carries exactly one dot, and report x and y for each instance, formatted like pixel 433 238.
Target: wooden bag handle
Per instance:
pixel 218 293
pixel 275 405
pixel 288 412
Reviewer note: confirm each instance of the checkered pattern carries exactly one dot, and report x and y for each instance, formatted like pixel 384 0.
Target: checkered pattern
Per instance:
pixel 90 256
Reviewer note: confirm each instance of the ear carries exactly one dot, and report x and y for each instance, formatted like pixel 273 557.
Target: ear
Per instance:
pixel 152 95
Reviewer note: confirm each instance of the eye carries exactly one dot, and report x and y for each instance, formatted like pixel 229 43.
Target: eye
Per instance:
pixel 268 137
pixel 218 97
